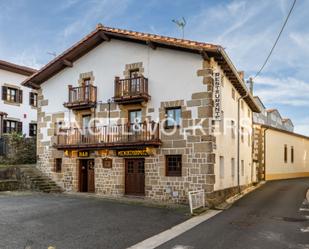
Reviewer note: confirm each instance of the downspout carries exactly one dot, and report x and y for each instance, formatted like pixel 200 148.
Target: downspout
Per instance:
pixel 265 152
pixel 238 140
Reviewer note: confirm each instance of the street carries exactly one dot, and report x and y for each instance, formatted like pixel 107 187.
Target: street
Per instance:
pixel 37 221
pixel 272 217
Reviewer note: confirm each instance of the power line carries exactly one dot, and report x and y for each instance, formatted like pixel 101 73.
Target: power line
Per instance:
pixel 273 47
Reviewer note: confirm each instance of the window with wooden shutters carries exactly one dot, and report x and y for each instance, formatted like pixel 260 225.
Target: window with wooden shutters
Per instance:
pixel 32 130
pixel 12 94
pixel 33 99
pixel 10 126
pixel 173 165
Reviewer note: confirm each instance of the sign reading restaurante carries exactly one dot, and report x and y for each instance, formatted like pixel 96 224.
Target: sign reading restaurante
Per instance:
pixel 217 96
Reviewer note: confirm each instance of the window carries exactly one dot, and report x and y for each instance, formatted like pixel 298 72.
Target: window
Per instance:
pixel 242 130
pixel 173 165
pixel 285 153
pixel 233 128
pixel 292 154
pixel 242 168
pixel 249 139
pixel 32 130
pixel 33 99
pixel 58 165
pixel 12 94
pixel 242 104
pixel 233 94
pixel 233 167
pixel 221 167
pixel 10 126
pixel 134 73
pixel 173 117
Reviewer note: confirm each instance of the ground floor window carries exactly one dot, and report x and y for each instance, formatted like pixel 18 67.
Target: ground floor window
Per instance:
pixel 10 126
pixel 58 165
pixel 32 130
pixel 173 165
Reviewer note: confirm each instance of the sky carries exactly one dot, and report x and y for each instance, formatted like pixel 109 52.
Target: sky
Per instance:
pixel 32 30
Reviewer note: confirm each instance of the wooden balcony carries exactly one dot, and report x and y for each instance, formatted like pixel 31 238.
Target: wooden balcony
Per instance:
pixel 83 97
pixel 132 90
pixel 117 137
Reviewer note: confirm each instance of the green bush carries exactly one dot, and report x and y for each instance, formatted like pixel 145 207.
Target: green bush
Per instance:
pixel 19 149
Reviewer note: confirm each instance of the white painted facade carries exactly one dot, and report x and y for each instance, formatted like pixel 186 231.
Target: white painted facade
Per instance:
pixel 276 167
pixel 21 112
pixel 164 69
pixel 227 141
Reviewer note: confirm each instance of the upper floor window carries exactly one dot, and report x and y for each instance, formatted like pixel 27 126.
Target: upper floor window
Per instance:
pixel 233 94
pixel 285 153
pixel 32 130
pixel 242 104
pixel 33 99
pixel 10 126
pixel 11 94
pixel 173 117
pixel 292 154
pixel 134 73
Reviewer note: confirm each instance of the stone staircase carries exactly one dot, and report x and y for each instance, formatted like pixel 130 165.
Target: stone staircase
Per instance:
pixel 33 179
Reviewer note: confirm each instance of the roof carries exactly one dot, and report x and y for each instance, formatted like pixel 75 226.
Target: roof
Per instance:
pixel 284 131
pixel 257 98
pixel 285 120
pixel 103 34
pixel 8 66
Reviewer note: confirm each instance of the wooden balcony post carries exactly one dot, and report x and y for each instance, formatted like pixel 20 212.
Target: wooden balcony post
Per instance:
pixel 70 94
pixel 116 86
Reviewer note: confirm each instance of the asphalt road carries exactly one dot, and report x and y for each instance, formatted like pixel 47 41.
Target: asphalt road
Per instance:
pixel 268 218
pixel 38 221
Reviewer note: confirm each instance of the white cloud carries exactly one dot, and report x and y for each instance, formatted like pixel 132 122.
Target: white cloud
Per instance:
pixel 288 91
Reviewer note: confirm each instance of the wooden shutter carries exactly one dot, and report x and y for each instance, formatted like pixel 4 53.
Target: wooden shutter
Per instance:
pixel 31 98
pixel 4 93
pixel 19 127
pixel 4 126
pixel 20 96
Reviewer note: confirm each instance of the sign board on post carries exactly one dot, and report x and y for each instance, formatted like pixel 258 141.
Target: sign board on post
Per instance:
pixel 217 96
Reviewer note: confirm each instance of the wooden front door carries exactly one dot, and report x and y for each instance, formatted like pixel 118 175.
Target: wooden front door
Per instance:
pixel 86 175
pixel 135 176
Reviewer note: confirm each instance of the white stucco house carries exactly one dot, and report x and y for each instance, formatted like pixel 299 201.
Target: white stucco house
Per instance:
pixel 18 104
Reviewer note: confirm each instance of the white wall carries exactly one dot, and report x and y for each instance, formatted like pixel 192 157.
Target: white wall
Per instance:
pixel 172 74
pixel 227 146
pixel 17 112
pixel 276 167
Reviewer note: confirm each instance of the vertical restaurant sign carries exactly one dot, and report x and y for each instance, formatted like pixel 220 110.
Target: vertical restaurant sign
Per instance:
pixel 217 96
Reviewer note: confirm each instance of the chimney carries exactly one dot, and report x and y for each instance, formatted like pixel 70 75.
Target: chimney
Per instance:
pixel 251 85
pixel 241 75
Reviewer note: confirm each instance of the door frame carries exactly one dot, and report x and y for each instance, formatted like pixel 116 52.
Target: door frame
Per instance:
pixel 80 174
pixel 125 176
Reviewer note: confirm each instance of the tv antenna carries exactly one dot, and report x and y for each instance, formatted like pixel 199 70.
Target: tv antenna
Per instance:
pixel 54 54
pixel 181 25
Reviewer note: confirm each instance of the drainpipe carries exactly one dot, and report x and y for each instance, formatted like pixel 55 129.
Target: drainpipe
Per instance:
pixel 265 152
pixel 238 139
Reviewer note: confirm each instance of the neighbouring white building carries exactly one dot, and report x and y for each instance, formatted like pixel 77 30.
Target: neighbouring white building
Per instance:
pixel 18 108
pixel 131 84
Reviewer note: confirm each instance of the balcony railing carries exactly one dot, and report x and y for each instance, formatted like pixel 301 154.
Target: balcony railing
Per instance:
pixel 117 136
pixel 132 90
pixel 82 97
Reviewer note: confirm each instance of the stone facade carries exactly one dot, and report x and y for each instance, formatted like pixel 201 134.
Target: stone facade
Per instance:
pixel 195 146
